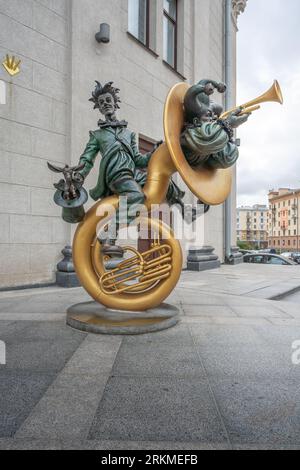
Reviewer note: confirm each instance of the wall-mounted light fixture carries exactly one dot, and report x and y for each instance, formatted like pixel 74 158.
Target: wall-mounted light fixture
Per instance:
pixel 104 34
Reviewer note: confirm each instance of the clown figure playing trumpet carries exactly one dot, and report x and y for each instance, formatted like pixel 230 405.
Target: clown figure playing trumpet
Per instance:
pixel 199 144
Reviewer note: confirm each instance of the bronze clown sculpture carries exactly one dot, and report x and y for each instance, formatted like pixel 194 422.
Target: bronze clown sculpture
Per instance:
pixel 199 145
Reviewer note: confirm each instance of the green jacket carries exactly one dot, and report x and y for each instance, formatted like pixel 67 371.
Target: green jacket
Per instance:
pixel 120 154
pixel 209 145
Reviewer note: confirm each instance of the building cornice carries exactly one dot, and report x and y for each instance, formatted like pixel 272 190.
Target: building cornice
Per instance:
pixel 284 197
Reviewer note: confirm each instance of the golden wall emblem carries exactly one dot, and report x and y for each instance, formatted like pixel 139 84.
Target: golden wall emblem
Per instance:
pixel 11 65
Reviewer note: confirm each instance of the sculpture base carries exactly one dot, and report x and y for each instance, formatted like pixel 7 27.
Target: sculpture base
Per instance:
pixel 95 318
pixel 202 259
pixel 236 256
pixel 67 280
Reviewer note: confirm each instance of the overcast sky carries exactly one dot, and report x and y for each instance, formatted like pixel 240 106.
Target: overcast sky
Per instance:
pixel 269 48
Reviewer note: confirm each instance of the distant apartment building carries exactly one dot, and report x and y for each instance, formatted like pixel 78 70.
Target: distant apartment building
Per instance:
pixel 283 219
pixel 252 225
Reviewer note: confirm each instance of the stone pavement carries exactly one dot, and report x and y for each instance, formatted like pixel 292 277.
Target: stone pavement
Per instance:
pixel 222 378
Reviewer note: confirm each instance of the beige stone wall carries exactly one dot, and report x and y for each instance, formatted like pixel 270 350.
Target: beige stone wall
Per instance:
pixel 33 129
pixel 208 57
pixel 47 115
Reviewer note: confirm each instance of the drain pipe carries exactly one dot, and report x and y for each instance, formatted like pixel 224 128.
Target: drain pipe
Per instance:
pixel 229 103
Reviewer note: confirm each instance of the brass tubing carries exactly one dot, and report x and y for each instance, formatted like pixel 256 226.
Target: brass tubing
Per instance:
pixel 129 288
pixel 158 261
pixel 273 94
pixel 89 264
pixel 110 279
pixel 156 275
pixel 114 281
pixel 160 170
pixel 249 110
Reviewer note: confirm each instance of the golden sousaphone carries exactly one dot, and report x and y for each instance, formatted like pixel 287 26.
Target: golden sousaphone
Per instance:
pixel 145 280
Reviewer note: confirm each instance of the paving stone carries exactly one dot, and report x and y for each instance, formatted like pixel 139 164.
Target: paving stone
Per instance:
pixel 235 321
pixel 245 351
pixel 158 395
pixel 197 297
pixel 37 305
pixel 19 391
pixel 236 301
pixel 291 308
pixel 69 405
pixel 260 312
pixel 66 410
pixel 177 335
pixel 29 444
pixel 142 445
pixel 157 360
pixel 277 446
pixel 243 361
pixel 285 322
pixel 41 346
pixel 208 310
pixel 94 357
pixel 7 326
pixel 259 410
pixel 226 335
pixel 165 409
pixel 23 317
pixel 6 305
pixel 80 444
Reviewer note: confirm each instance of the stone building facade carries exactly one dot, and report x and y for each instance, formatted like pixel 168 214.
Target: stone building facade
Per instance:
pixel 45 113
pixel 252 225
pixel 283 220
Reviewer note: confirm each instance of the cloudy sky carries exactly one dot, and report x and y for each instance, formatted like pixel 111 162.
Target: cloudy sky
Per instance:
pixel 269 48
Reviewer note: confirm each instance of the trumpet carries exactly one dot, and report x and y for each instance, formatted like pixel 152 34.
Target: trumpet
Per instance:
pixel 273 94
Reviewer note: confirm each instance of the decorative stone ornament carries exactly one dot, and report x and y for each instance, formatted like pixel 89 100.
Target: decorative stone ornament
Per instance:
pixel 65 274
pixel 238 7
pixel 236 256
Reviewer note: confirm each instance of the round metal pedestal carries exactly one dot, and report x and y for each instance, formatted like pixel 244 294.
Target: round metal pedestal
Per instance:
pixel 95 318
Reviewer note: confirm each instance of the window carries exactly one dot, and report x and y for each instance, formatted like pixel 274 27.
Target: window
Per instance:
pixel 274 260
pixel 170 32
pixel 138 20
